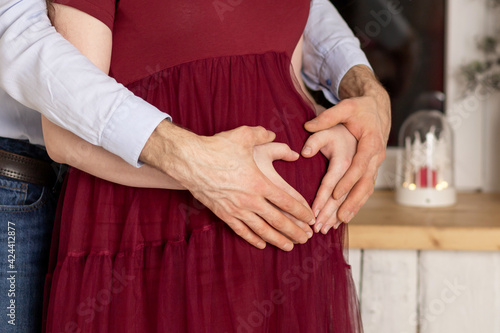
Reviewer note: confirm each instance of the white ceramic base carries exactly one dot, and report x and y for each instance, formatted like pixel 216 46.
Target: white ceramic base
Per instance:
pixel 426 197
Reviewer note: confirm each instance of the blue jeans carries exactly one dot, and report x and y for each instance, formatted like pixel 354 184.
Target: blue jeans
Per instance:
pixel 26 218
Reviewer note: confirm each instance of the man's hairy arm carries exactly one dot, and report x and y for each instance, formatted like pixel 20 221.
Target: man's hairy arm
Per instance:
pixel 218 170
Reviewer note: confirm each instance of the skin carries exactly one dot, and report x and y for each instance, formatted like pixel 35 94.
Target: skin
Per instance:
pixel 365 112
pixel 245 192
pixel 226 176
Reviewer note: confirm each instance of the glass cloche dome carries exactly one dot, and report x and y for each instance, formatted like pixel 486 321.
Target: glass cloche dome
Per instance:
pixel 425 176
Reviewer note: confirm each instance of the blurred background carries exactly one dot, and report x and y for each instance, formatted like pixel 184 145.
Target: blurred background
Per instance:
pixel 429 54
pixel 423 269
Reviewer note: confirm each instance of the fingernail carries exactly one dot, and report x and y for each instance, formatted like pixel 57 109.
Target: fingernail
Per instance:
pixel 261 245
pixel 337 225
pixel 317 227
pixel 316 213
pixel 312 221
pixel 309 234
pixel 307 150
pixel 288 247
pixel 325 230
pixel 295 154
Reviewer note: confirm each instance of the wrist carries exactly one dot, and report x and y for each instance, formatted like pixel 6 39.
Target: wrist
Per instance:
pixel 359 81
pixel 165 146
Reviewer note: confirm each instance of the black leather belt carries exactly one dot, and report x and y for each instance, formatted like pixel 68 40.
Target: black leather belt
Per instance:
pixel 26 169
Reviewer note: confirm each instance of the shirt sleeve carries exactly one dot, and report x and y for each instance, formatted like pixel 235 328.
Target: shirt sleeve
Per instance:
pixel 330 50
pixel 43 71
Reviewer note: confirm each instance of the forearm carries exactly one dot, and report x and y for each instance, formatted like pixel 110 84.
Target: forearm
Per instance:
pixel 65 147
pixel 330 49
pixel 42 70
pixel 360 81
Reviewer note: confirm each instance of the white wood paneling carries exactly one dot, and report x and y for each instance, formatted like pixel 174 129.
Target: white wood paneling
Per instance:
pixel 389 291
pixel 459 292
pixel 465 23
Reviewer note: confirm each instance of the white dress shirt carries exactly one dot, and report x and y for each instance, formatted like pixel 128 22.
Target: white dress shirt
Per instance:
pixel 40 70
pixel 330 50
pixel 43 71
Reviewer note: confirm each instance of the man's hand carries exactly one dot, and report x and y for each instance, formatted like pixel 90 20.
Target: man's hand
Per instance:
pixel 365 112
pixel 339 146
pixel 264 155
pixel 221 173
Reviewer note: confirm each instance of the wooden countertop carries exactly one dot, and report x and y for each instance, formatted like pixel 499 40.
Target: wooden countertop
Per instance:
pixel 472 224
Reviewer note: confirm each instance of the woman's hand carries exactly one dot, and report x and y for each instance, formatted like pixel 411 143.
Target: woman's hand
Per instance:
pixel 339 146
pixel 365 110
pixel 264 155
pixel 221 173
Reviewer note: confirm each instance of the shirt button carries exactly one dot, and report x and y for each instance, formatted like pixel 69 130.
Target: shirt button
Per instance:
pixel 329 82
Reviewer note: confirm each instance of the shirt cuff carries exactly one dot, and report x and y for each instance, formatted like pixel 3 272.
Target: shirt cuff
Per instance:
pixel 130 127
pixel 336 63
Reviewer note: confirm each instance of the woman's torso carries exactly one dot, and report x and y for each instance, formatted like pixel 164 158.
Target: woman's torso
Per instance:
pixel 153 35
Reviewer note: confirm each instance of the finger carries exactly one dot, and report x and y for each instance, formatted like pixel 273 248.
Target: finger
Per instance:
pixel 281 151
pixel 326 213
pixel 266 232
pixel 356 198
pixel 314 144
pixel 358 168
pixel 260 135
pixel 326 187
pixel 289 204
pixel 335 115
pixel 268 171
pixel 282 184
pixel 333 221
pixel 242 230
pixel 280 222
pixel 304 226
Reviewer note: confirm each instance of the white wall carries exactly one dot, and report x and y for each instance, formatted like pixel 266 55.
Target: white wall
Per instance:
pixel 465 23
pixel 491 181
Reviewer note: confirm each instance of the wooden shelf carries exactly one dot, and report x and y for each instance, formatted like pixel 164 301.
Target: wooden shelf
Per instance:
pixel 472 224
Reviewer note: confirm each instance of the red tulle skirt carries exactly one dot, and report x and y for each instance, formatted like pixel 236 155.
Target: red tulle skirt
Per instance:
pixel 146 260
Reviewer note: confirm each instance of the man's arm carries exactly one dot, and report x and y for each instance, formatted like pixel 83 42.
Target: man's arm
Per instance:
pixel 330 50
pixel 43 71
pixel 334 63
pixel 65 147
pixel 218 170
pixel 365 111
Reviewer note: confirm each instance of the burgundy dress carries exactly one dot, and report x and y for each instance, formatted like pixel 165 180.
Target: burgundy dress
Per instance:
pixel 146 260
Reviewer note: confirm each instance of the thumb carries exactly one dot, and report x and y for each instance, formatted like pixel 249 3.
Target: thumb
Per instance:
pixel 262 136
pixel 314 144
pixel 330 117
pixel 281 151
